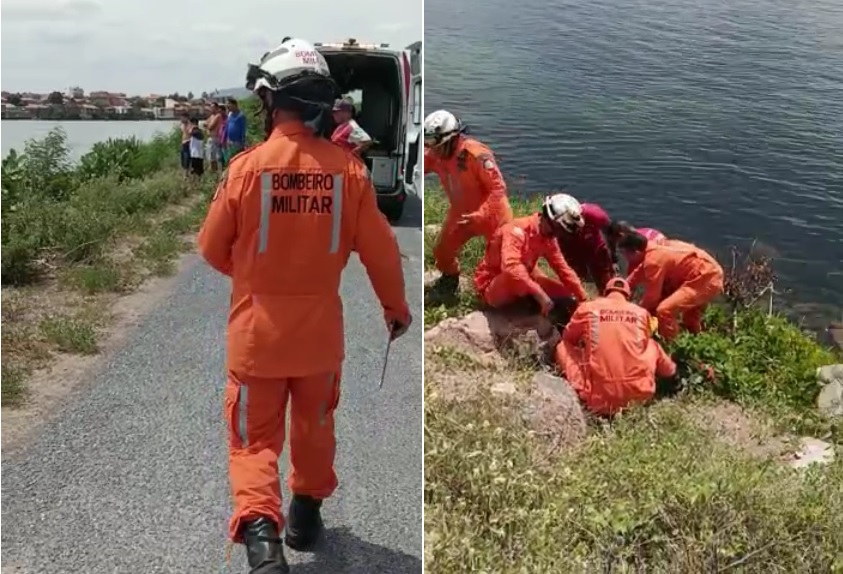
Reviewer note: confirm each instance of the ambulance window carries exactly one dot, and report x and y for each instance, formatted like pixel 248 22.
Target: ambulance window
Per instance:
pixel 417 103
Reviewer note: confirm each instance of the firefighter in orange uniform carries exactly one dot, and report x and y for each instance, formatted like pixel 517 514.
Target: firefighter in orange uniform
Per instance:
pixel 508 270
pixel 678 279
pixel 607 352
pixel 474 185
pixel 282 225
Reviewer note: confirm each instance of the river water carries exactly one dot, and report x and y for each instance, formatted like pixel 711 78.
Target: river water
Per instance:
pixel 81 135
pixel 718 121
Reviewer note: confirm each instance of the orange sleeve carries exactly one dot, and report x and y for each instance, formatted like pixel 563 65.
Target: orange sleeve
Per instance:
pixel 493 184
pixel 375 243
pixel 635 277
pixel 566 275
pixel 430 161
pixel 512 262
pixel 219 231
pixel 576 327
pixel 653 277
pixel 665 367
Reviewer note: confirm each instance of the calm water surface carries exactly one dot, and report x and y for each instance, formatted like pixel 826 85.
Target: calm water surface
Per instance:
pixel 80 135
pixel 717 121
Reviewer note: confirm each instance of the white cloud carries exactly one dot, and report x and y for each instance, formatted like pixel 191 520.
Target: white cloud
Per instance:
pixel 141 46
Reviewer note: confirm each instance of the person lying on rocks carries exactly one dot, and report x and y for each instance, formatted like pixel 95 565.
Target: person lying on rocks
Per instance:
pixel 474 186
pixel 607 352
pixel 508 271
pixel 678 279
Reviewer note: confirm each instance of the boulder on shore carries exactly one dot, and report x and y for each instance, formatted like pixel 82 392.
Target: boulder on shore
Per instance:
pixel 553 408
pixel 830 399
pixel 484 334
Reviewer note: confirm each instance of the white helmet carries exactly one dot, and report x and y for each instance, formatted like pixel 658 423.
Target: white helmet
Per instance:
pixel 294 58
pixel 564 210
pixel 440 127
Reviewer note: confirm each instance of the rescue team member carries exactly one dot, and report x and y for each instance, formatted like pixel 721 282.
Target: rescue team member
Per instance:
pixel 617 229
pixel 607 352
pixel 582 240
pixel 473 184
pixel 678 278
pixel 282 225
pixel 508 270
pixel 348 133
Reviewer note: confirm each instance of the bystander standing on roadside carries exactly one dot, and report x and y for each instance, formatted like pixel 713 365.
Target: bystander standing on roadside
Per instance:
pixel 235 130
pixel 213 125
pixel 196 146
pixel 184 152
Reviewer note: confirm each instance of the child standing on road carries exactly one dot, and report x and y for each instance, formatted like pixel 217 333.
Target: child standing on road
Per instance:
pixel 197 149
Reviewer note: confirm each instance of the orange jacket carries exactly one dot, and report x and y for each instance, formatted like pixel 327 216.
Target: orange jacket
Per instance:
pixel 515 249
pixel 473 184
pixel 609 355
pixel 668 265
pixel 282 225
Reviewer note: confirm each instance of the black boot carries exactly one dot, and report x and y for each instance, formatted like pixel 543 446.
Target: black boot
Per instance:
pixel 264 548
pixel 304 522
pixel 448 285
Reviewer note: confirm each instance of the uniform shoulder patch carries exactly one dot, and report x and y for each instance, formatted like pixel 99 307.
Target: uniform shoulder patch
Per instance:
pixel 518 232
pixel 487 161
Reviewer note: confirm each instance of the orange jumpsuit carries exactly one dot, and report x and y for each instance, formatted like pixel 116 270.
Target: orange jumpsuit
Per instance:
pixel 282 225
pixel 508 270
pixel 678 278
pixel 473 184
pixel 608 355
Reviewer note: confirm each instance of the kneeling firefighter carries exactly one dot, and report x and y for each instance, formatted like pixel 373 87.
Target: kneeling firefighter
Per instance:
pixel 607 352
pixel 282 224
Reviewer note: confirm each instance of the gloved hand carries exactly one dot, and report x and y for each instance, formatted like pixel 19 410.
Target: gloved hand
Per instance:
pixel 398 327
pixel 545 303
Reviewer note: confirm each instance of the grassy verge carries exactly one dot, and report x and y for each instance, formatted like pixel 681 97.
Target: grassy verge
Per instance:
pixel 685 485
pixel 77 236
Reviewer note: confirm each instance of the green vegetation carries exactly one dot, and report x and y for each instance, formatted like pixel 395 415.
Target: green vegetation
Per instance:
pixel 76 234
pixel 688 484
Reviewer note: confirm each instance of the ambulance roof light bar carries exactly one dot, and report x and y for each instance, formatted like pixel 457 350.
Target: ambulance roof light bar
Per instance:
pixel 351 44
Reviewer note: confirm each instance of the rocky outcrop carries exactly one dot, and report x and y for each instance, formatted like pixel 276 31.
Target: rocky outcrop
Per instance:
pixel 830 399
pixel 835 334
pixel 484 335
pixel 812 451
pixel 552 408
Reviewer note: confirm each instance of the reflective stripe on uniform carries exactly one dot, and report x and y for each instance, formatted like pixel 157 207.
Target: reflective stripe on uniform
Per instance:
pixel 242 410
pixel 337 213
pixel 266 209
pixel 266 212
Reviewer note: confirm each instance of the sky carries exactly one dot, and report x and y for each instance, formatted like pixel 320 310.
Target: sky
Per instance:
pixel 165 46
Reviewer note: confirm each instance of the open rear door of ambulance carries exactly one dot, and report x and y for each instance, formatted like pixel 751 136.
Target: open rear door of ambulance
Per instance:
pixel 414 150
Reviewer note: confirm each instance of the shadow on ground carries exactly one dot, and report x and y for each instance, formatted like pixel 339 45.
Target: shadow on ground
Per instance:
pixel 341 552
pixel 413 216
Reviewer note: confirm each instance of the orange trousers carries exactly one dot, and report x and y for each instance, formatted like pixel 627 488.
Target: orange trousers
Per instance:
pixel 255 409
pixel 503 290
pixel 451 240
pixel 690 301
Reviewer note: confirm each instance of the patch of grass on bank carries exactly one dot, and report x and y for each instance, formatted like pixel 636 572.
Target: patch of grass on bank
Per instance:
pixel 77 234
pixel 652 491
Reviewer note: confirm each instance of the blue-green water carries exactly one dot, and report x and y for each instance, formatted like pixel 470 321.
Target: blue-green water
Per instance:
pixel 717 121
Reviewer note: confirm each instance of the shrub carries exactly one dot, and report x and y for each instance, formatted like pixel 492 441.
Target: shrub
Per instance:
pixel 55 210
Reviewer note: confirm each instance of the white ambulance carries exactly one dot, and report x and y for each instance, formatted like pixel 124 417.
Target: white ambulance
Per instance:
pixel 386 86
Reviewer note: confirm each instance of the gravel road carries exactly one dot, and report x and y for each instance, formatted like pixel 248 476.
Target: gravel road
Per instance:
pixel 131 476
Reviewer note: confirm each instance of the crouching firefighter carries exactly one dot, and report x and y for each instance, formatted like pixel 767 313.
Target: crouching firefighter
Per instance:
pixel 282 224
pixel 508 272
pixel 608 355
